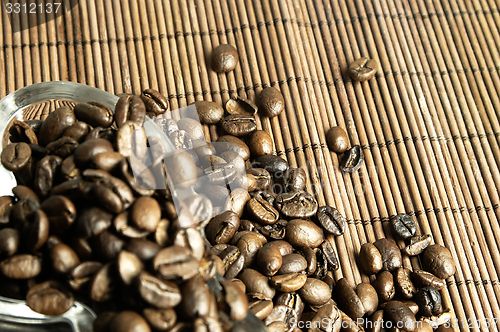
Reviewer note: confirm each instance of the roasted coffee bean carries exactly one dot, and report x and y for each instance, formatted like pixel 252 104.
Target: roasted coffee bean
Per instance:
pixel 239 124
pixel 192 127
pixel 49 298
pixel 107 161
pixel 368 296
pixel 310 257
pixel 195 298
pixel 240 106
pixel 315 292
pixel 294 179
pixel 260 143
pixel 236 201
pixel 331 220
pixel 21 266
pixel 62 147
pixel 129 321
pixel 22 211
pixel 352 160
pixel 222 227
pixel 93 221
pixel 129 266
pixel 209 112
pixel 69 170
pixel 9 242
pixel 131 140
pixel 283 313
pixel 142 185
pixel 337 139
pixel 104 283
pixel 16 156
pixel 182 165
pixel 192 239
pixel 112 193
pixel 107 245
pixel 94 113
pixel 145 213
pixel 220 174
pixel 144 249
pixel 46 173
pixel 256 282
pixel 272 164
pixel 162 294
pixel 292 263
pixel 160 319
pixel 235 301
pixel 78 131
pixel 304 233
pixel 130 108
pixel 101 132
pixel 399 313
pixel 262 177
pixel 384 285
pixel 261 308
pixel 36 231
pixel 285 247
pixel 290 282
pixel 234 159
pixel 404 226
pixel 63 258
pixel 269 259
pixel 350 324
pixel 298 204
pixel 55 125
pixel 327 319
pixel 271 102
pixel 391 255
pixel 88 149
pixel 22 132
pixel 276 231
pixel 224 58
pixel 233 261
pixel 438 261
pixel 262 211
pixel 6 203
pixel 232 143
pixel 176 262
pixel 370 258
pixel 403 283
pixel 154 101
pixel 81 247
pixel 429 302
pixel 422 279
pixel 445 328
pixel 201 209
pixel 330 255
pixel 80 276
pixel 349 300
pixel 362 69
pixel 249 246
pixel 417 245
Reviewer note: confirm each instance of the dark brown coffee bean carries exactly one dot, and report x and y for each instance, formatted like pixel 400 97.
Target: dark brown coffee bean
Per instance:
pixel 222 227
pixel 331 220
pixel 182 165
pixel 375 322
pixel 272 164
pixel 391 255
pixel 107 245
pixel 417 245
pixel 176 262
pixel 23 210
pixel 350 324
pixel 6 203
pixel 81 247
pixel 352 160
pixel 209 112
pixel 22 132
pixel 46 173
pixel 404 285
pixel 398 312
pixel 256 282
pixel 144 249
pixel 80 276
pixel 131 140
pixel 145 213
pixel 160 319
pixel 294 179
pixel 370 258
pixel 429 302
pixel 60 211
pixel 362 69
pixel 304 233
pixel 384 285
pixel 101 132
pixel 292 263
pixel 262 211
pixel 348 299
pixel 260 143
pixel 290 282
pixel 241 106
pixel 95 114
pixel 142 185
pixel 9 241
pixel 104 283
pixel 249 246
pixel 404 226
pixel 112 193
pixel 239 124
pixel 130 108
pixel 196 298
pixel 438 261
pixel 21 266
pixel 129 321
pixel 315 292
pixel 368 296
pixel 310 257
pixel 154 101
pixel 237 201
pixel 63 258
pixel 162 294
pixel 69 170
pixel 235 302
pixel 62 147
pixel 276 231
pixel 328 319
pixel 271 102
pixel 337 139
pixel 107 161
pixel 77 131
pixel 36 231
pixel 49 298
pixel 232 143
pixel 291 300
pixel 88 149
pixel 56 124
pixel 298 204
pixel 16 156
pixel 269 259
pixel 330 255
pixel 93 221
pixel 233 261
pixel 224 58
pixel 422 279
pixel 284 314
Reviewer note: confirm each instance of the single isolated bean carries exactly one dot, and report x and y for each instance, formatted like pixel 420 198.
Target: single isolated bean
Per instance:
pixel 362 69
pixel 224 58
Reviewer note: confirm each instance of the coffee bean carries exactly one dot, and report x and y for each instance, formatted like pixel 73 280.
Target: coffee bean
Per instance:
pixel 285 247
pixel 107 246
pixel 192 239
pixel 276 231
pixel 404 226
pixel 438 261
pixel 182 165
pixel 330 255
pixel 112 193
pixel 16 156
pixel 292 263
pixel 294 179
pixel 304 233
pixel 36 231
pixel 290 282
pixel 46 174
pixel 282 313
pixel 49 298
pixel 370 258
pixel 331 220
pixel 80 276
pixel 256 283
pixel 162 294
pixel 64 258
pixel 144 249
pixel 269 259
pixel 101 132
pixel 391 255
pixel 78 131
pixel 368 296
pixel 422 279
pixel 337 139
pixel 262 177
pixel 271 102
pixel 236 201
pixel 362 69
pixel 299 204
pixel 93 221
pixel 241 106
pixel 160 319
pixel 6 203
pixel 209 112
pixel 399 313
pixel 192 127
pixel 104 283
pixel 328 317
pixel 129 266
pixel 154 101
pixel 94 113
pixel 145 213
pixel 21 266
pixel 350 324
pixel 142 184
pixel 233 261
pixel 315 292
pixel 130 108
pixel 9 241
pixel 239 124
pixel 224 58
pixel 417 245
pixel 348 299
pixel 262 211
pixel 429 302
pixel 129 321
pixel 310 257
pixel 249 246
pixel 232 143
pixel 261 308
pixel 175 262
pixel 404 285
pixel 56 124
pixel 22 132
pixel 272 164
pixel 88 149
pixel 235 301
pixel 222 227
pixel 131 140
pixel 195 298
pixel 384 285
pixel 260 143
pixel 352 160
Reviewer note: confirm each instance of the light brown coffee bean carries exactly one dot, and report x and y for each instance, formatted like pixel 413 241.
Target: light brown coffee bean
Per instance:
pixel 384 285
pixel 160 319
pixel 129 266
pixel 260 143
pixel 348 299
pixel 271 102
pixel 162 294
pixel 292 263
pixel 261 308
pixel 49 298
pixel 403 283
pixel 438 261
pixel 370 258
pixel 417 245
pixel 399 312
pixel 304 233
pixel 337 139
pixel 256 283
pixel 290 282
pixel 240 106
pixel 362 69
pixel 64 258
pixel 239 124
pixel 235 301
pixel 224 58
pixel 391 255
pixel 422 279
pixel 129 321
pixel 262 211
pixel 315 292
pixel 269 259
pixel 175 262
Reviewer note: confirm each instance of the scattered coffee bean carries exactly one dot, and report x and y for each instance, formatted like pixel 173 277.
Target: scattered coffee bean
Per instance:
pixel 391 255
pixel 260 143
pixel 362 69
pixel 398 312
pixel 422 279
pixel 384 285
pixel 49 298
pixel 404 226
pixel 438 261
pixel 271 102
pixel 209 112
pixel 239 124
pixel 241 106
pixel 299 204
pixel 352 160
pixel 337 139
pixel 428 300
pixel 154 101
pixel 417 245
pixel 403 283
pixel 224 58
pixel 331 220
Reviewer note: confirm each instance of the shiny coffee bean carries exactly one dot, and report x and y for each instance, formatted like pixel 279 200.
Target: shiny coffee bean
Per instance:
pixel 93 221
pixel 315 292
pixel 438 261
pixel 282 313
pixel 175 262
pixel 299 204
pixel 232 260
pixel 101 132
pixel 36 231
pixel 192 239
pixel 222 227
pixel 88 149
pixel 69 170
pixel 239 124
pixel 249 246
pixel 404 226
pixel 81 275
pixel 78 131
pixel 131 140
pixel 285 247
pixel 403 283
pixel 292 263
pixel 46 174
pixel 145 213
pixel 260 308
pixel 22 132
pixel 62 147
pixel 370 258
pixel 349 300
pixel 130 108
pixel 21 266
pixel 331 220
pixel 195 298
pixel 112 193
pixel 104 283
pixel 429 301
pixel 224 58
pixel 162 294
pixel 262 211
pixel 422 279
pixel 129 321
pixel 327 318
pixel 368 296
pixel 107 161
pixel 391 255
pixel 182 165
pixel 362 69
pixel 271 102
pixel 235 301
pixel 330 255
pixel 269 259
pixel 160 319
pixel 337 139
pixel 352 160
pixel 16 156
pixel 290 282
pixel 384 285
pixel 209 112
pixel 154 101
pixel 276 231
pixel 256 282
pixel 399 312
pixel 107 246
pixel 64 259
pixel 95 114
pixel 240 106
pixel 262 177
pixel 9 241
pixel 304 233
pixel 272 164
pixel 49 298
pixel 260 143
pixel 6 203
pixel 350 324
pixel 294 179
pixel 129 266
pixel 236 201
pixel 55 125
pixel 144 249
pixel 232 143
pixel 417 245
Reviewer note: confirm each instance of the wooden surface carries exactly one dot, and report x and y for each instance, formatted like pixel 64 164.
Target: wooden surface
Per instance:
pixel 428 122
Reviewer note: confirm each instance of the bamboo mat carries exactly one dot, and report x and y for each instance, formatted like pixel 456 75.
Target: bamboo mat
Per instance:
pixel 428 122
